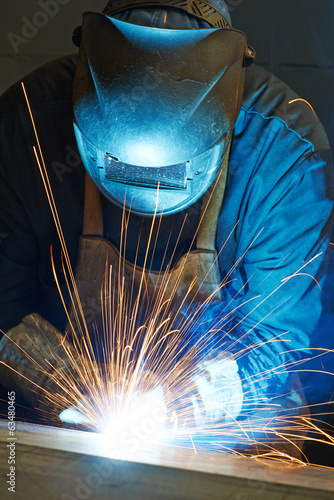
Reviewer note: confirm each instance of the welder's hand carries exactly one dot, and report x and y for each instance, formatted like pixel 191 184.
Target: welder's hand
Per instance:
pixel 35 361
pixel 212 394
pixel 219 394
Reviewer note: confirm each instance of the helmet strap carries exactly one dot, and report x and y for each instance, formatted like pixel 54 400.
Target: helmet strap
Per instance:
pixel 201 9
pixel 211 206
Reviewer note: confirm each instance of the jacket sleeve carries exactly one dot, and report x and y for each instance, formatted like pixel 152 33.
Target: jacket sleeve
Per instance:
pixel 19 288
pixel 27 229
pixel 275 291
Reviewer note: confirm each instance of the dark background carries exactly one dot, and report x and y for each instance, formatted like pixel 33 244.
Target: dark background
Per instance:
pixel 294 40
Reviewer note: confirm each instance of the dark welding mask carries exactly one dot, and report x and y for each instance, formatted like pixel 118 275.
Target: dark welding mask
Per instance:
pixel 154 109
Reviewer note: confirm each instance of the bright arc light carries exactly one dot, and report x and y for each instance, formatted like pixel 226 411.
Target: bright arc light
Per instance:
pixel 138 424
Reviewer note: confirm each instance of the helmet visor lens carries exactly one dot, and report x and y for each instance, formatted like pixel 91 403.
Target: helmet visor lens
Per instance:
pixel 169 177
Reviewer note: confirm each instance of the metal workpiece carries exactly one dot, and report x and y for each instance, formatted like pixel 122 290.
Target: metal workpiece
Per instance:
pixel 66 464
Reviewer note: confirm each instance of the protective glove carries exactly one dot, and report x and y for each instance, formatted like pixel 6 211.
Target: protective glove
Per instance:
pixel 37 362
pixel 219 395
pixel 208 394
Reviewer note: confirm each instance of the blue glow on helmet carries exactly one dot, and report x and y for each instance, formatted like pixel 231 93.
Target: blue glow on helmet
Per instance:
pixel 159 111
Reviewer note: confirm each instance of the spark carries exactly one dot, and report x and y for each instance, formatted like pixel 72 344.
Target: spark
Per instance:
pixel 140 387
pixel 306 102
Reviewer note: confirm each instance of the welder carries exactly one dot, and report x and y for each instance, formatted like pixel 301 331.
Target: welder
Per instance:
pixel 166 110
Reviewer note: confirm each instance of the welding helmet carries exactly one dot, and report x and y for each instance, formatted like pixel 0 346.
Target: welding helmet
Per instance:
pixel 154 108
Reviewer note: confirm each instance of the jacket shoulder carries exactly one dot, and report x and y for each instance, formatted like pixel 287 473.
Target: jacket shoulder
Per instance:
pixel 49 84
pixel 269 97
